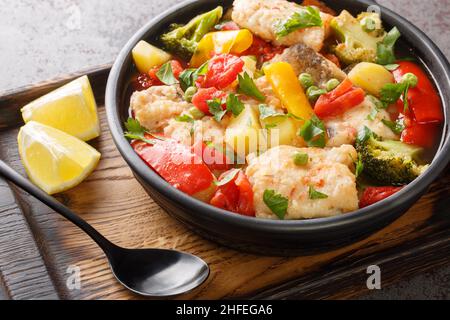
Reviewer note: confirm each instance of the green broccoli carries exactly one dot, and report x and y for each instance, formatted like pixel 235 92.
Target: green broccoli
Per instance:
pixel 389 162
pixel 183 39
pixel 359 36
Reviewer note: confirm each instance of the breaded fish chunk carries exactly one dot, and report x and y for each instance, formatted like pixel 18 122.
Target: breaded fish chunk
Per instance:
pixel 154 107
pixel 344 129
pixel 261 17
pixel 329 171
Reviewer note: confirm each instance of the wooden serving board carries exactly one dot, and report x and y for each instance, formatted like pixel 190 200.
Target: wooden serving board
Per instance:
pixel 37 246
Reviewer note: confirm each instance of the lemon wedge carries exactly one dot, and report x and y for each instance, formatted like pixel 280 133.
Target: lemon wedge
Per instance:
pixel 71 108
pixel 54 160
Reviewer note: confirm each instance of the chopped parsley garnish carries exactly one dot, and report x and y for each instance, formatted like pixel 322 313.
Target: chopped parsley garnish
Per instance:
pixel 248 87
pixel 276 203
pixel 137 132
pixel 305 18
pixel 266 111
pixel 391 92
pixel 234 105
pixel 185 118
pixel 189 76
pixel 165 74
pixel 316 195
pixel 314 132
pixel 396 126
pixel 216 109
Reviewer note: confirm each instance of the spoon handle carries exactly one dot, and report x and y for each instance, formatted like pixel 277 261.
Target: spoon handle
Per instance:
pixel 51 202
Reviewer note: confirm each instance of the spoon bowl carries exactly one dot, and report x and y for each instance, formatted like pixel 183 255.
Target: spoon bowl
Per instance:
pixel 158 273
pixel 153 273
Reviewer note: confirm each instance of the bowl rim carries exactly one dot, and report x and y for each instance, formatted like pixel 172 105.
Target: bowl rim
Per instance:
pixel 205 211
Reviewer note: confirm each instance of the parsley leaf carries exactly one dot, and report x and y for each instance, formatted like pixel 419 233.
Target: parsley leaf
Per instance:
pixel 307 17
pixel 165 74
pixel 396 126
pixel 136 132
pixel 234 105
pixel 248 87
pixel 266 111
pixel 385 49
pixel 301 159
pixel 215 107
pixel 228 178
pixel 316 195
pixel 364 135
pixel 185 118
pixel 314 132
pixel 276 203
pixel 189 76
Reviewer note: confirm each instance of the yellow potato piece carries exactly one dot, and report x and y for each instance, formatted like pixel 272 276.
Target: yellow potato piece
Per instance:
pixel 244 132
pixel 71 108
pixel 146 56
pixel 281 130
pixel 371 77
pixel 54 160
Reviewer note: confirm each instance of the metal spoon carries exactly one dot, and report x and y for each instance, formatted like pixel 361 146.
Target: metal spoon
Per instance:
pixel 148 272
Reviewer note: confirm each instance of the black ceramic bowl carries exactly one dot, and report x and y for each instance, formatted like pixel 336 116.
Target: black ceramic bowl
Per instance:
pixel 266 236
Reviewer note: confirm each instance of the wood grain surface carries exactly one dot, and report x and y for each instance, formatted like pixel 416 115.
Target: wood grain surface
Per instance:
pixel 37 246
pixel 34 264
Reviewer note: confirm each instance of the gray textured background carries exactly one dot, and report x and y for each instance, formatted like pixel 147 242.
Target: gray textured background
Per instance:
pixel 46 38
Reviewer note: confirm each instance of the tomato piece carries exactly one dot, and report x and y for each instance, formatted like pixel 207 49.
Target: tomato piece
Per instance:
pixel 263 50
pixel 177 164
pixel 333 58
pixel 201 98
pixel 422 135
pixel 338 101
pixel 236 196
pixel 212 156
pixel 424 101
pixel 373 195
pixel 223 70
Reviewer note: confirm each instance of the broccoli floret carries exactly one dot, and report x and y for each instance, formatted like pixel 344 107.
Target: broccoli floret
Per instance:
pixel 389 162
pixel 182 40
pixel 359 43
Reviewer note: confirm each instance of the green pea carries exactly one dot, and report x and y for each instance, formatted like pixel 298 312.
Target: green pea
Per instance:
pixel 411 79
pixel 301 159
pixel 196 113
pixel 314 93
pixel 332 84
pixel 189 94
pixel 306 80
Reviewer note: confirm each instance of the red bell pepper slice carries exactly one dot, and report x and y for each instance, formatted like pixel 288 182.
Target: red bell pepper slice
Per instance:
pixel 178 165
pixel 212 156
pixel 373 195
pixel 338 101
pixel 422 135
pixel 235 196
pixel 201 98
pixel 423 99
pixel 223 70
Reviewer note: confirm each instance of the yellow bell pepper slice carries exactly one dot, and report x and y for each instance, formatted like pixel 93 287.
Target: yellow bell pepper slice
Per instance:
pixel 234 41
pixel 287 88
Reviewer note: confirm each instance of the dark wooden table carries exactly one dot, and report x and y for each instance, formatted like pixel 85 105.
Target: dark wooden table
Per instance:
pixel 37 246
